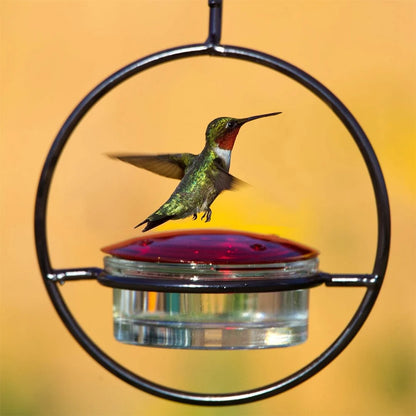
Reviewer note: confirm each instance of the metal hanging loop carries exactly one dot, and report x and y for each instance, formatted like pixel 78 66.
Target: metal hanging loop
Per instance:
pixel 215 22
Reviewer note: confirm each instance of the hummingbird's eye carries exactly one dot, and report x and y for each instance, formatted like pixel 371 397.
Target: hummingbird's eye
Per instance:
pixel 230 124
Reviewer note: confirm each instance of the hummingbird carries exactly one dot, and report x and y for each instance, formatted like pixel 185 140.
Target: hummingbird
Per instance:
pixel 202 177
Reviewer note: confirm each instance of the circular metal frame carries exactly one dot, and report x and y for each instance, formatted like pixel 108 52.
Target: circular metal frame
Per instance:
pixel 372 281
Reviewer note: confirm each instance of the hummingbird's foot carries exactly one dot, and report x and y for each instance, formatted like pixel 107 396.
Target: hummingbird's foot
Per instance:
pixel 207 215
pixel 194 217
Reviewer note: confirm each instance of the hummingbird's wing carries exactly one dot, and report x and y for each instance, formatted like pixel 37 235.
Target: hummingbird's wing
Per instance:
pixel 223 180
pixel 169 165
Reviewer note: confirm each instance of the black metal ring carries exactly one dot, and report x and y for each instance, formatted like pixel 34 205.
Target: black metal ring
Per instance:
pixel 211 286
pixel 383 214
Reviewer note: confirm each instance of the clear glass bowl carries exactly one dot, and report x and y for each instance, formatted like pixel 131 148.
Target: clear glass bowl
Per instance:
pixel 211 320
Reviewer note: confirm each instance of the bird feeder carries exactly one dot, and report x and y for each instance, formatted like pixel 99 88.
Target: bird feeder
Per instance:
pixel 214 289
pixel 210 320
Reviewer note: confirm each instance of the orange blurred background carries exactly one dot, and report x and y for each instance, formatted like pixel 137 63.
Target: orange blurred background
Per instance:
pixel 308 183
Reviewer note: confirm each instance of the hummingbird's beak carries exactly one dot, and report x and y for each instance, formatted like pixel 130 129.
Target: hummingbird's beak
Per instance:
pixel 241 121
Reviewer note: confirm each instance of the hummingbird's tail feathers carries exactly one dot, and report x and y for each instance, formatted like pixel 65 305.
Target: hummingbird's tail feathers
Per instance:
pixel 138 225
pixel 153 223
pixel 168 165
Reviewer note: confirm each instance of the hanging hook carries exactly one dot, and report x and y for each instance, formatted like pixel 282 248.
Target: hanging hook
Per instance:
pixel 215 15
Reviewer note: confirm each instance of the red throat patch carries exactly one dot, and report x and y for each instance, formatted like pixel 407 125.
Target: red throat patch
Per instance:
pixel 226 142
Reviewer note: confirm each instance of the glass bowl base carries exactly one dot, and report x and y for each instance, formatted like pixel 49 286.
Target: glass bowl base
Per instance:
pixel 211 321
pixel 209 337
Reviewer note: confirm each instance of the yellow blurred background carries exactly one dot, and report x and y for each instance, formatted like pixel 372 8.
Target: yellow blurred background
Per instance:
pixel 308 183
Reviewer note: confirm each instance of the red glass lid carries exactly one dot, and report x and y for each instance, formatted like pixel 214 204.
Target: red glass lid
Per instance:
pixel 211 246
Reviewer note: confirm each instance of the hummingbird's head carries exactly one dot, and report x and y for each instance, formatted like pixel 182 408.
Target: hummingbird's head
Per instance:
pixel 223 131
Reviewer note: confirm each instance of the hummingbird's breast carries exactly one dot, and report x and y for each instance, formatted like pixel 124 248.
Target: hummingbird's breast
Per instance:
pixel 196 191
pixel 224 155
